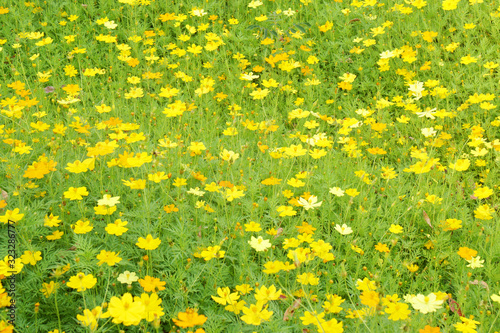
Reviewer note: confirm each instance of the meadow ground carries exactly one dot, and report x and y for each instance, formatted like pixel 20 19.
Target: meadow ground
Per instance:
pixel 249 166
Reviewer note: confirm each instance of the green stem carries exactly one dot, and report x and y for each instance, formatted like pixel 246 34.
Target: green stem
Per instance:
pixel 57 311
pixel 491 327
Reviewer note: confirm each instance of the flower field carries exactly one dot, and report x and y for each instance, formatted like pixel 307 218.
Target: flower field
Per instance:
pixel 250 166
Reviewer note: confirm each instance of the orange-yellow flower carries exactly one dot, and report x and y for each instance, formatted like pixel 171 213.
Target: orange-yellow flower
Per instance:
pixel 189 318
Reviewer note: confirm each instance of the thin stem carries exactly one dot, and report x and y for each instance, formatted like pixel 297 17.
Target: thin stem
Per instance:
pixel 498 314
pixel 57 312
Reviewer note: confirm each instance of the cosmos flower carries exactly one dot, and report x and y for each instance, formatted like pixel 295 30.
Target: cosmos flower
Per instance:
pixel 125 310
pixel 259 244
pixel 127 277
pixel 148 243
pixel 310 203
pixel 426 304
pixel 81 282
pixel 189 318
pixel 343 229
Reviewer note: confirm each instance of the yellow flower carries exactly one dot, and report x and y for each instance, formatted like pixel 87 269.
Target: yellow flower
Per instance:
pixel 7 268
pixel 127 277
pixel 259 244
pixel 490 65
pixel 295 150
pixel 466 253
pixel 495 298
pixel 450 4
pixel 325 27
pixel 195 49
pixel 333 304
pixel 90 318
pixel 51 221
pixel 135 184
pixel 134 93
pixel 265 294
pixel 82 227
pixel 30 257
pixel 55 235
pixel 370 298
pixel 108 257
pixel 157 177
pixel 365 284
pixel 396 229
pixel 426 304
pixel 76 193
pixel 229 155
pixel 332 326
pixel 259 93
pixel 382 248
pixel 197 147
pixel 233 193
pixel 460 165
pixel 286 211
pixel 313 318
pixel 433 199
pixel 81 282
pixel 271 181
pixel 125 310
pixel 412 268
pixel 252 226
pixel 152 304
pixel 235 308
pixel 484 212
pixel 451 224
pixel 397 311
pixel 468 60
pixel 11 215
pixel 78 166
pixel 294 182
pixel 117 228
pixel 225 296
pixel 244 289
pixel 190 318
pixel 255 315
pixel 149 243
pixel 104 210
pixel 151 284
pixel 108 201
pixel 49 288
pixel 483 192
pixel 212 252
pixel 272 267
pixel 179 182
pixel 352 192
pixel 308 279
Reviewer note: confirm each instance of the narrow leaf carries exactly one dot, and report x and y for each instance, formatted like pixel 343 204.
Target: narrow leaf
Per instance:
pixel 5 195
pixel 291 310
pixel 482 283
pixel 455 307
pixel 300 28
pixel 427 219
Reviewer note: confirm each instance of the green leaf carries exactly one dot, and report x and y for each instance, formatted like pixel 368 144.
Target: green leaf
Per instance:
pixel 252 26
pixel 300 28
